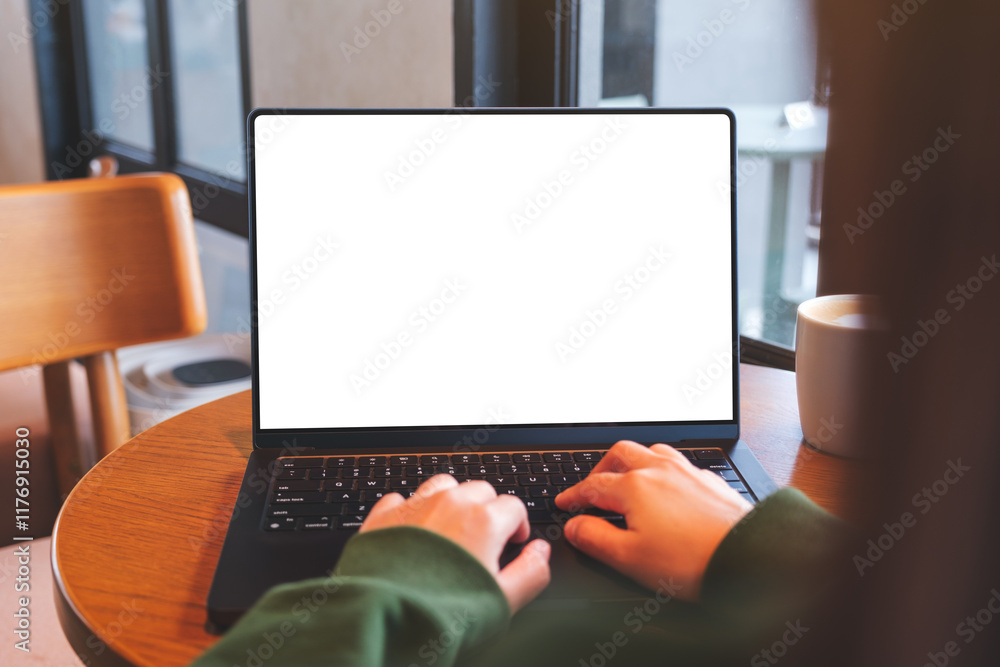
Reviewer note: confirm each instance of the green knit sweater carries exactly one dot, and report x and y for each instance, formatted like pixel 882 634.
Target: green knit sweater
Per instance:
pixel 406 596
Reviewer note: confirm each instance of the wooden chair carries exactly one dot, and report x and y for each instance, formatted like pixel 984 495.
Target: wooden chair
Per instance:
pixel 88 266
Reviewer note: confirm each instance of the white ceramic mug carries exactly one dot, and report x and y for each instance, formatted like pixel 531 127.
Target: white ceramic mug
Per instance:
pixel 837 339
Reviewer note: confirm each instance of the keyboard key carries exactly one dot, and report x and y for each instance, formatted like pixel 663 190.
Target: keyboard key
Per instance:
pixel 709 454
pixel 577 468
pixel 536 503
pixel 374 483
pixel 293 473
pixel 738 486
pixel 320 473
pixel 433 459
pixel 418 471
pixel 404 483
pixel 522 457
pixel 318 523
pixel 358 508
pixel 307 509
pixel 345 496
pixel 454 471
pixel 688 454
pixel 404 460
pixel 729 475
pixel 496 458
pixel 464 459
pixel 509 490
pixel 541 516
pixel 514 468
pixel 747 497
pixel 531 480
pixel 543 492
pixel 299 497
pixel 393 471
pixel 340 462
pixel 350 522
pixel 282 523
pixel 564 481
pixel 371 461
pixel 297 485
pixel 338 484
pixel 545 468
pixel 483 469
pixel 713 464
pixel 373 495
pixel 587 457
pixel 301 462
pixel 556 457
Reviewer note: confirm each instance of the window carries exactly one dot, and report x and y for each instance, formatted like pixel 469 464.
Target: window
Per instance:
pixel 157 84
pixel 758 58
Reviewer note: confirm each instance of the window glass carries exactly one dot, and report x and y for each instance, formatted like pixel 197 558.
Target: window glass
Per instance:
pixel 208 95
pixel 758 59
pixel 120 77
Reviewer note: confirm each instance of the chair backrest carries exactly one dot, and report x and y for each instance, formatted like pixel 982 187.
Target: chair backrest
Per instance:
pixel 91 265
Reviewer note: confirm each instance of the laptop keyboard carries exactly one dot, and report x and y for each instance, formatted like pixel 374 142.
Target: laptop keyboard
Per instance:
pixel 310 493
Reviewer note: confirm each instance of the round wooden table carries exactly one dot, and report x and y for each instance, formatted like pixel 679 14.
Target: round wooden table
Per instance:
pixel 136 544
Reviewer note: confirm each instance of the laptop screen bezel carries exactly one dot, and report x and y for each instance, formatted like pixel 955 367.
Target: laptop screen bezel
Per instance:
pixel 484 437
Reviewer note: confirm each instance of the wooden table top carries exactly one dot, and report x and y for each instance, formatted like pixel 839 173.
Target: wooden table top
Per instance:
pixel 136 544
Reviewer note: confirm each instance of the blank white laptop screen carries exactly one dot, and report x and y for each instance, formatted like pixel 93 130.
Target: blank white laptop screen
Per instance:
pixel 457 269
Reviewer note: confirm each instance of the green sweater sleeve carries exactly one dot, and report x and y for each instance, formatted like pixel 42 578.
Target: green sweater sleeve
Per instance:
pixel 782 557
pixel 376 608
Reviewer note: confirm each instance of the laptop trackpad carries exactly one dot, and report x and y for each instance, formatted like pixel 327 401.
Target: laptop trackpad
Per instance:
pixel 578 580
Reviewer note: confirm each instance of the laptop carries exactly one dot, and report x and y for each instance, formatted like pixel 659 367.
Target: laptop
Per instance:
pixel 497 294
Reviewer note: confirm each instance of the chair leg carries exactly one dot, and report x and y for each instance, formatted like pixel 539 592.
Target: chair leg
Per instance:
pixel 107 395
pixel 63 427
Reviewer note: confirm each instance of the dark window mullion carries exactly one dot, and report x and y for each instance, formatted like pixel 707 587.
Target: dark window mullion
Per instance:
pixel 162 94
pixel 244 41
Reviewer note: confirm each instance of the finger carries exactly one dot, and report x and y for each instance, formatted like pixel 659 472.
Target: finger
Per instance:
pixel 668 451
pixel 603 490
pixel 599 539
pixel 435 484
pixel 381 511
pixel 513 518
pixel 625 455
pixel 476 491
pixel 527 575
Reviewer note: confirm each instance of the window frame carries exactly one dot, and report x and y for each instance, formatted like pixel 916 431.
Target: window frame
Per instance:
pixel 68 124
